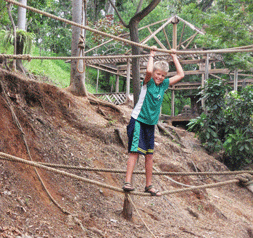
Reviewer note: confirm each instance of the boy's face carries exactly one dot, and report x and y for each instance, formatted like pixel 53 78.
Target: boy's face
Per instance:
pixel 159 76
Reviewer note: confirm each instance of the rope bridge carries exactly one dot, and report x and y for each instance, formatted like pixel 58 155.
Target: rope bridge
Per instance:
pixel 4 156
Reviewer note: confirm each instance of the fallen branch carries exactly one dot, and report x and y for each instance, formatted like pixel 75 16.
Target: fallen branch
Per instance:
pixel 170 135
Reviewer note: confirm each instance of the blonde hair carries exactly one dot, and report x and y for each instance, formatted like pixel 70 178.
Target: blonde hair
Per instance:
pixel 162 65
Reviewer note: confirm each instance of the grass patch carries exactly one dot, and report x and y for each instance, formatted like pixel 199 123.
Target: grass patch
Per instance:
pixel 56 72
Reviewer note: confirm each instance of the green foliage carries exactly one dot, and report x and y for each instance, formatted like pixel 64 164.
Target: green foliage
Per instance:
pixel 107 25
pixel 8 39
pixel 51 35
pixel 238 148
pixel 207 132
pixel 4 18
pixel 239 130
pixel 227 24
pixel 27 38
pixel 227 124
pixel 180 102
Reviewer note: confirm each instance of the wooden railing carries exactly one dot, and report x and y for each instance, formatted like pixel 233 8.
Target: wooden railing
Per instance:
pixel 116 98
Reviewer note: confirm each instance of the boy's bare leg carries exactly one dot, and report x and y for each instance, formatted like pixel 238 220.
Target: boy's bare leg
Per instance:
pixel 130 166
pixel 149 169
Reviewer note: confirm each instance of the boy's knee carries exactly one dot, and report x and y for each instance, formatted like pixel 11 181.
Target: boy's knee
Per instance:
pixel 149 156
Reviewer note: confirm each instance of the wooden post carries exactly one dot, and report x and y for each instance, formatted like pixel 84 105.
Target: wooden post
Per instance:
pixel 202 87
pixel 201 68
pixel 117 83
pixel 127 208
pixel 173 102
pixel 204 78
pixel 207 67
pixel 174 46
pixel 236 80
pixel 174 43
pixel 128 79
pixel 97 81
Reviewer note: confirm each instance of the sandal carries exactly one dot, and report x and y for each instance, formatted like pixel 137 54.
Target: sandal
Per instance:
pixel 149 190
pixel 127 187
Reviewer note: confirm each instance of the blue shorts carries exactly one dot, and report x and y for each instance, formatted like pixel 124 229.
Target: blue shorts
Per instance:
pixel 141 137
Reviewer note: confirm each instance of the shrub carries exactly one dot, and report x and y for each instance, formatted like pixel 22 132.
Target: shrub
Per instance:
pixel 226 123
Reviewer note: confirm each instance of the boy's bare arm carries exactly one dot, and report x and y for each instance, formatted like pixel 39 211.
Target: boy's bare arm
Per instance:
pixel 180 71
pixel 150 65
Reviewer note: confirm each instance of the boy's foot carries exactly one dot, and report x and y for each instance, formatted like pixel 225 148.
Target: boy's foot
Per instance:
pixel 152 191
pixel 127 187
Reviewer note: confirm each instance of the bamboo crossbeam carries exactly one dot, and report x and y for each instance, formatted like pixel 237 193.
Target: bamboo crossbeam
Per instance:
pixel 157 40
pixel 194 72
pixel 193 36
pixel 191 26
pixel 159 29
pixel 167 39
pixel 182 33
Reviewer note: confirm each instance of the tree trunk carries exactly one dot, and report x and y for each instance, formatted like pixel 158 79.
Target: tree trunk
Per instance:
pixel 133 27
pixel 77 79
pixel 109 8
pixel 22 16
pixel 20 39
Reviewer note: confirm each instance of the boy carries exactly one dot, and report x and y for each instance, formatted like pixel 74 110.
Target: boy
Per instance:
pixel 145 116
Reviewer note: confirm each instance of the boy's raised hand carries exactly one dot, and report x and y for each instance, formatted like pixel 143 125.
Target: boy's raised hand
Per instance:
pixel 153 50
pixel 173 53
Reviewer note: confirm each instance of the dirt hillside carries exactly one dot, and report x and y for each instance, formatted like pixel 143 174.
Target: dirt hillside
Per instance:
pixel 60 128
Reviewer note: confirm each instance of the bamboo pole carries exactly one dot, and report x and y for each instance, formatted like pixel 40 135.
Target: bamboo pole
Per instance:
pixel 117 83
pixel 182 33
pixel 157 40
pixel 166 36
pixel 235 80
pixel 128 79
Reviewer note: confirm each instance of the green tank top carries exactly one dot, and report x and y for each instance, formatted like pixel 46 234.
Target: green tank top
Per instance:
pixel 147 109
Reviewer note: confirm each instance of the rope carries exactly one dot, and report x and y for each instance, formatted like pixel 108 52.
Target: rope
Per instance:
pixel 63 166
pixel 8 157
pixel 231 50
pixel 212 185
pixel 174 181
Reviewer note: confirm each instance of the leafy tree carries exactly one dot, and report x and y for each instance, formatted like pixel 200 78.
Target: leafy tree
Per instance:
pixel 227 125
pixel 238 114
pixel 228 24
pixel 77 78
pixel 51 35
pixel 134 36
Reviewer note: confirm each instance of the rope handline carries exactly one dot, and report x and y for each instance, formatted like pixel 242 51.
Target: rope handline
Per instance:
pixel 122 39
pixel 63 166
pixel 212 185
pixel 11 158
pixel 29 57
pixel 83 27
